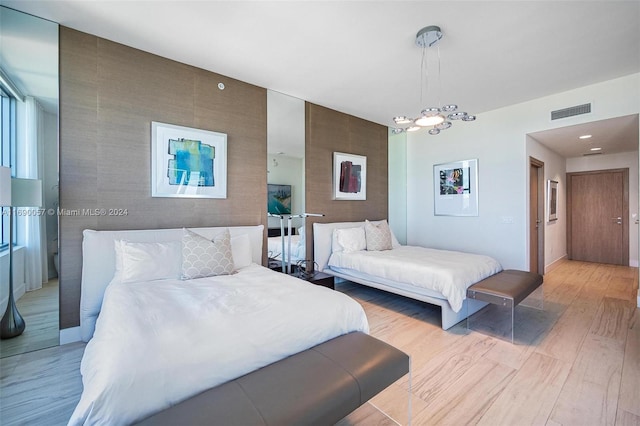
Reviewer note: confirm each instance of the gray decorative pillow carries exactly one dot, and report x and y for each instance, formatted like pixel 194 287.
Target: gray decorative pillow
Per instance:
pixel 378 236
pixel 205 258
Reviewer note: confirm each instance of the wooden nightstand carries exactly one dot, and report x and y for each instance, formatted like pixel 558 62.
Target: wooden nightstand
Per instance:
pixel 319 278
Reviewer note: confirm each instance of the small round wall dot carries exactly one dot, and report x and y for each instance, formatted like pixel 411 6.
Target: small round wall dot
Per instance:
pixel 221 86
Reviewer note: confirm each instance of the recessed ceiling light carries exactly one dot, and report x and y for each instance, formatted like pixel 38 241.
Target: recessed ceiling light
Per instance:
pixel 596 149
pixel 585 137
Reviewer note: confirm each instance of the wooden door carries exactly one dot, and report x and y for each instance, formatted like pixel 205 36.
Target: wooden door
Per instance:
pixel 598 216
pixel 536 247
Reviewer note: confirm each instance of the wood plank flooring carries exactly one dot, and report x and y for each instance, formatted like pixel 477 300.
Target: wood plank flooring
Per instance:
pixel 39 309
pixel 576 363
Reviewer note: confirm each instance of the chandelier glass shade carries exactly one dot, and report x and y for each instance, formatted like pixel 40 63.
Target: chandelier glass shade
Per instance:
pixel 435 118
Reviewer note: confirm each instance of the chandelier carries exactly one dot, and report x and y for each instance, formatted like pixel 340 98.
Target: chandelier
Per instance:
pixel 436 118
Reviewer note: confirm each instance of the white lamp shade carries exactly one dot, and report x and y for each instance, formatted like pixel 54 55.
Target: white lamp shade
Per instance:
pixel 429 120
pixel 26 192
pixel 5 186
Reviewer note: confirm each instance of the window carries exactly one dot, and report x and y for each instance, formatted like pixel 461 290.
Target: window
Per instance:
pixel 7 150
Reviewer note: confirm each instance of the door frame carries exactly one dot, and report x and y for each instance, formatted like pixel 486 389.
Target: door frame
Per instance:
pixel 534 162
pixel 625 210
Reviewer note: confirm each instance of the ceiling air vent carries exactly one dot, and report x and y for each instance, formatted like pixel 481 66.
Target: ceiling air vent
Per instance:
pixel 571 111
pixel 592 153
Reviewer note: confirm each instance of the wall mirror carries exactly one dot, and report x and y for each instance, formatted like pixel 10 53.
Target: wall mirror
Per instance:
pixel 285 173
pixel 29 73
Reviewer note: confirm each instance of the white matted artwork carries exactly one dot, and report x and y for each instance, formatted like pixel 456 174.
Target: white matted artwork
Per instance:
pixel 456 188
pixel 349 176
pixel 187 162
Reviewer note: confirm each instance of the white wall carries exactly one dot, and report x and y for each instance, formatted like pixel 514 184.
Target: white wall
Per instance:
pixel 498 140
pixel 555 233
pixel 616 161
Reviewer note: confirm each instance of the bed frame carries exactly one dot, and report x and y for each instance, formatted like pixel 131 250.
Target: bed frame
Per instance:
pixel 322 238
pixel 98 261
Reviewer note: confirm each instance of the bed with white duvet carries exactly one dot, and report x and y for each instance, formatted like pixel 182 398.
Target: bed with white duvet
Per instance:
pixel 157 342
pixel 440 277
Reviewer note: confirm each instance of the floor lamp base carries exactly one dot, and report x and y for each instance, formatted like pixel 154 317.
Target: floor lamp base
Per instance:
pixel 12 324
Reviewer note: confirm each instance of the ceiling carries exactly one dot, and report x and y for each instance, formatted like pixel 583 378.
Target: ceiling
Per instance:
pixel 359 57
pixel 29 56
pixel 610 136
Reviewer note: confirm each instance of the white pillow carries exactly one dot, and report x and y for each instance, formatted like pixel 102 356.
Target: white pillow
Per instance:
pixel 241 250
pixel 204 258
pixel 147 261
pixel 348 240
pixel 378 236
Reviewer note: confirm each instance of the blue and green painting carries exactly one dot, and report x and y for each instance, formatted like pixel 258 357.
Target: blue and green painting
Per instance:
pixel 192 163
pixel 278 199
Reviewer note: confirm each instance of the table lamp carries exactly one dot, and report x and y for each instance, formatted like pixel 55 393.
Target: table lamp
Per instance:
pixel 15 193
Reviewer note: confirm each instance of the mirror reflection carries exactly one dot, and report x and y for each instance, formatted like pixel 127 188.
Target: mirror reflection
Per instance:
pixel 29 144
pixel 285 178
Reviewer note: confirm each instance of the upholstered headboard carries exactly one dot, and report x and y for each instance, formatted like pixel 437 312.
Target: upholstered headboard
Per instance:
pixel 98 261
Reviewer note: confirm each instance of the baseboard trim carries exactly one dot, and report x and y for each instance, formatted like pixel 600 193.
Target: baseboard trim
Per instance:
pixel 553 265
pixel 70 335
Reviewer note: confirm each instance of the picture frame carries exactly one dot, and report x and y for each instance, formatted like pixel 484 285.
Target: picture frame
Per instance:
pixel 278 199
pixel 552 200
pixel 456 188
pixel 187 162
pixel 349 176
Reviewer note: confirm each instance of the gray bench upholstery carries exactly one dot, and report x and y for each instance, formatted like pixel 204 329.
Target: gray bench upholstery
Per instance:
pixel 507 288
pixel 318 386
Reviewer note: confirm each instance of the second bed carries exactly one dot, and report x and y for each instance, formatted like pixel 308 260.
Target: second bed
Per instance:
pixel 439 277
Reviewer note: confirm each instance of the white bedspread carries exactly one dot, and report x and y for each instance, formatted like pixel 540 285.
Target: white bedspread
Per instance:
pixel 444 271
pixel 157 343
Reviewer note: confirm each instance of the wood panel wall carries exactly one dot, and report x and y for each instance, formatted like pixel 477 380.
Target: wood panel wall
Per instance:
pixel 328 131
pixel 109 95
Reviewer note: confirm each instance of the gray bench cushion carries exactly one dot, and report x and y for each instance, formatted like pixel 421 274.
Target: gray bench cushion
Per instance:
pixel 509 287
pixel 318 386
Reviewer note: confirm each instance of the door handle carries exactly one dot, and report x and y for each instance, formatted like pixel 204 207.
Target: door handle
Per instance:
pixel 617 220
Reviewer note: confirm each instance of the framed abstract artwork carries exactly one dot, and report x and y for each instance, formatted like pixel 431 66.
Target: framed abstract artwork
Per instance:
pixel 187 162
pixel 552 200
pixel 349 176
pixel 456 188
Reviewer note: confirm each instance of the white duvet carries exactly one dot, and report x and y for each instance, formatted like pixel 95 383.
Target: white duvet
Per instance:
pixel 447 272
pixel 297 248
pixel 159 342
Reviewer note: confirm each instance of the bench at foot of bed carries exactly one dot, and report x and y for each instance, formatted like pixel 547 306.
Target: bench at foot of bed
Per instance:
pixel 507 288
pixel 318 386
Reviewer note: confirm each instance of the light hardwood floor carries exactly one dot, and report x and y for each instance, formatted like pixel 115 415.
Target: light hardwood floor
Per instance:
pixel 575 363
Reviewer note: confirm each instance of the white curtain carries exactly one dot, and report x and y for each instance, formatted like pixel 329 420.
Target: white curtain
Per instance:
pixel 30 165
